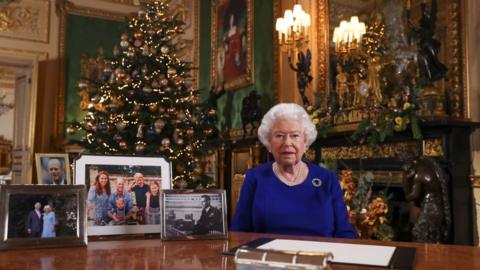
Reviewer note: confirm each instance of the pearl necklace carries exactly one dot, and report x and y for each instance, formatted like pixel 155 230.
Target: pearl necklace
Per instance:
pixel 300 174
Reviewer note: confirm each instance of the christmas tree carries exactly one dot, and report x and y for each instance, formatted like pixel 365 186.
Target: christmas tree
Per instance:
pixel 141 102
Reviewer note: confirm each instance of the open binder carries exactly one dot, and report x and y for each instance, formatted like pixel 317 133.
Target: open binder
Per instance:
pixel 402 257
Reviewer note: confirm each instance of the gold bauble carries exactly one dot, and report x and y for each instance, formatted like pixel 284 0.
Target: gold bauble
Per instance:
pixel 153 107
pixel 180 168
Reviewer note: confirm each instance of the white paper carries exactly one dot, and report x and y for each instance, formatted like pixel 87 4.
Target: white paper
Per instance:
pixel 342 253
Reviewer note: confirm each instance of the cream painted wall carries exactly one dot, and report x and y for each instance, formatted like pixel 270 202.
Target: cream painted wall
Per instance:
pixel 473 75
pixel 48 86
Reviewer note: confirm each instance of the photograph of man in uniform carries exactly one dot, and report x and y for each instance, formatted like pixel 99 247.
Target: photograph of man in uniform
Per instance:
pixel 210 221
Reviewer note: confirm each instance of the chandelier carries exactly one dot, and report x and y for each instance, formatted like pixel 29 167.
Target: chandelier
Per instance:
pixel 293 28
pixel 348 36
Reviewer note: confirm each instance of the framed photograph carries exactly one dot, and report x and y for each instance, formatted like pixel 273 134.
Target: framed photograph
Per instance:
pixel 52 168
pixel 209 165
pixel 231 43
pixel 39 216
pixel 123 192
pixel 193 214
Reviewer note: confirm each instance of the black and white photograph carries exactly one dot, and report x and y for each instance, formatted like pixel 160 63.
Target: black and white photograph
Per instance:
pixel 43 213
pixel 123 197
pixel 189 214
pixel 52 168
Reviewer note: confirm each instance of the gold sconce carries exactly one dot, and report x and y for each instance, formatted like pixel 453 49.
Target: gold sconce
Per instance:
pixel 293 28
pixel 348 35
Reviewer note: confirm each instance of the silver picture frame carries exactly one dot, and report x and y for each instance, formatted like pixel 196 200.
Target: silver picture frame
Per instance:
pixel 67 204
pixel 186 214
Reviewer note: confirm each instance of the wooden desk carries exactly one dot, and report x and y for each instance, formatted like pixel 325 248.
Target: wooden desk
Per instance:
pixel 203 254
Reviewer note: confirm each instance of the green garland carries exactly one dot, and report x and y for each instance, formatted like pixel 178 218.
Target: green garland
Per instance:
pixel 375 130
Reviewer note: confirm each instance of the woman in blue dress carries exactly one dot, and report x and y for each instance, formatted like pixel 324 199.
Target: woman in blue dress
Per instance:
pixel 98 194
pixel 291 196
pixel 49 222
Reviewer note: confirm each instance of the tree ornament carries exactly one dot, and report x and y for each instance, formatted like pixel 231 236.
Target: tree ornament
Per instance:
pixel 140 146
pixel 123 145
pixel 164 49
pixel 164 82
pixel 172 111
pixel 116 50
pixel 131 51
pixel 147 89
pixel 171 71
pixel 153 107
pixel 120 125
pixel 180 167
pixel 117 137
pixel 124 44
pixel 137 43
pixel 145 50
pixel 155 84
pixel 190 131
pixel 181 116
pixel 71 130
pixel 140 131
pixel 166 142
pixel 144 69
pixel 138 35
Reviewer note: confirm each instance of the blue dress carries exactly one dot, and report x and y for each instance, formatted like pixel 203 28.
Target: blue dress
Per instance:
pixel 49 225
pixel 267 205
pixel 102 206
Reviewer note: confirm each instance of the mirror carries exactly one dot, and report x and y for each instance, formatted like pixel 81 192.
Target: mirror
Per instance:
pixel 356 75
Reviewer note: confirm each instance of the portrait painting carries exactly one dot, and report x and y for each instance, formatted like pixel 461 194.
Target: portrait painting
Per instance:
pixel 52 168
pixel 193 214
pixel 42 216
pixel 232 61
pixel 123 193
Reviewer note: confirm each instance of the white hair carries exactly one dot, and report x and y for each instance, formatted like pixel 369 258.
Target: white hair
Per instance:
pixel 286 111
pixel 47 206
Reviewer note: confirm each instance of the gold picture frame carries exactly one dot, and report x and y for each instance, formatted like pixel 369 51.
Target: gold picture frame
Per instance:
pixel 458 98
pixel 64 8
pixel 232 44
pixel 53 165
pixel 68 224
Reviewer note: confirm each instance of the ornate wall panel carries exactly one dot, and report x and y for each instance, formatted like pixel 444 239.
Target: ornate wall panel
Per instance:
pixel 28 19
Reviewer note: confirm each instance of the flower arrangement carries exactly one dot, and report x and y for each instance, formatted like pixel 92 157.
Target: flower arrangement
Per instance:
pixel 367 213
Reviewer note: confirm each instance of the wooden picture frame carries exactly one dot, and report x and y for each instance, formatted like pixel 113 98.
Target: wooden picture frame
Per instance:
pixel 53 168
pixel 132 217
pixel 67 224
pixel 193 214
pixel 232 44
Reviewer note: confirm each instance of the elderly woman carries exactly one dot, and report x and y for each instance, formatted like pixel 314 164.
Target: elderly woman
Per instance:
pixel 49 222
pixel 291 196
